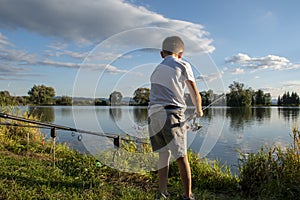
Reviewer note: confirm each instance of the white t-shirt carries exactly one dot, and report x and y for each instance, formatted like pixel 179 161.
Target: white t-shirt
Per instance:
pixel 168 82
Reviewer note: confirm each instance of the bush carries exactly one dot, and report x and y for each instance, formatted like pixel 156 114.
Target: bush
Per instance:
pixel 271 173
pixel 19 136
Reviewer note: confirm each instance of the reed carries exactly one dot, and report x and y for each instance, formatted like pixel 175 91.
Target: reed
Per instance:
pixel 272 173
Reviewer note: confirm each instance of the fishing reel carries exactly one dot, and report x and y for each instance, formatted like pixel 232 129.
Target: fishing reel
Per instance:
pixel 195 126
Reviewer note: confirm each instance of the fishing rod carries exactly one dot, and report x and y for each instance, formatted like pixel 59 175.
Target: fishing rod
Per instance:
pixel 117 138
pixel 196 126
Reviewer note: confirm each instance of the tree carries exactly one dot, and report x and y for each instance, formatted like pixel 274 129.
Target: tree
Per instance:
pixel 64 100
pixel 141 96
pixel 115 98
pixel 99 102
pixel 259 98
pixel 22 100
pixel 207 97
pixel 41 94
pixel 295 98
pixel 288 99
pixel 5 98
pixel 268 99
pixel 239 96
pixel 279 101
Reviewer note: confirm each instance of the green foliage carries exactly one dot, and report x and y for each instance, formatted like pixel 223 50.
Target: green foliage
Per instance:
pixel 141 96
pixel 41 95
pixel 115 98
pixel 296 139
pixel 64 100
pixel 207 97
pixel 271 173
pixel 239 96
pixel 131 157
pixel 19 137
pixel 288 99
pixel 208 175
pixel 99 102
pixel 260 98
pixel 75 177
pixel 5 98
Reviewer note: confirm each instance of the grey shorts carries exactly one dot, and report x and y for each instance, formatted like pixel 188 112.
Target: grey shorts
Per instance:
pixel 168 132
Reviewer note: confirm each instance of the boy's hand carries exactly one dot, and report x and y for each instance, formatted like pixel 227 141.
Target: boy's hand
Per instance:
pixel 198 113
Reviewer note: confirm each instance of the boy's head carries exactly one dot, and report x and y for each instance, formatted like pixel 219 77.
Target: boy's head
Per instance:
pixel 173 45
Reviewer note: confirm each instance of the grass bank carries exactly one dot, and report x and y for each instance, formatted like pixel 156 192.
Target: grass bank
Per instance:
pixel 27 171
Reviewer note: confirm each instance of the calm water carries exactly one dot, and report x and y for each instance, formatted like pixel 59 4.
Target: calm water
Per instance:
pixel 225 131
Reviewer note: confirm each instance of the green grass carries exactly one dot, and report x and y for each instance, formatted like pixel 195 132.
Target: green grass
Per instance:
pixel 77 176
pixel 27 171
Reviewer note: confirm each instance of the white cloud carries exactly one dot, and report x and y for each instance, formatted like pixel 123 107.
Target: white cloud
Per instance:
pixel 8 72
pixel 90 66
pixel 210 77
pixel 257 63
pixel 12 55
pixel 72 54
pixel 92 21
pixel 86 22
pixel 295 83
pixel 15 63
pixel 238 71
pixel 4 41
pixel 58 46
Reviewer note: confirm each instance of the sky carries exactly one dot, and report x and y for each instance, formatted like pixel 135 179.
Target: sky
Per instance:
pixel 90 48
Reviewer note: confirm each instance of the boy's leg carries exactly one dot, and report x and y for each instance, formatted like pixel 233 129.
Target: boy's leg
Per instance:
pixel 185 174
pixel 163 170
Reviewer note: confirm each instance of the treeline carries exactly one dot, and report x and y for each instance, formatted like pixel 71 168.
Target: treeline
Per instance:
pixel 44 95
pixel 288 99
pixel 238 96
pixel 37 95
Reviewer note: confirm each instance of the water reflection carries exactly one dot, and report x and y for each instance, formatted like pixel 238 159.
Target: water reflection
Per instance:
pixel 261 114
pixel 242 117
pixel 115 113
pixel 43 113
pixel 66 111
pixel 239 117
pixel 214 111
pixel 289 113
pixel 140 115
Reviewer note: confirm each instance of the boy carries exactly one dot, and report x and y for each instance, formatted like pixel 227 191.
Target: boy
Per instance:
pixel 166 113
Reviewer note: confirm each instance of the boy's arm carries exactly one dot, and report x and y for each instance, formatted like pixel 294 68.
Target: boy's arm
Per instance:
pixel 196 97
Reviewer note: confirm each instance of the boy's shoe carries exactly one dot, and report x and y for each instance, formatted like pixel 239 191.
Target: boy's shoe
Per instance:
pixel 188 198
pixel 162 196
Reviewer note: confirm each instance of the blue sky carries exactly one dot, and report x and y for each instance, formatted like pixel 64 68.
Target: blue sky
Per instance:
pixel 91 48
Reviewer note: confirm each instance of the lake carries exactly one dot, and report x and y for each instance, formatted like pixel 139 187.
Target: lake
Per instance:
pixel 225 132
